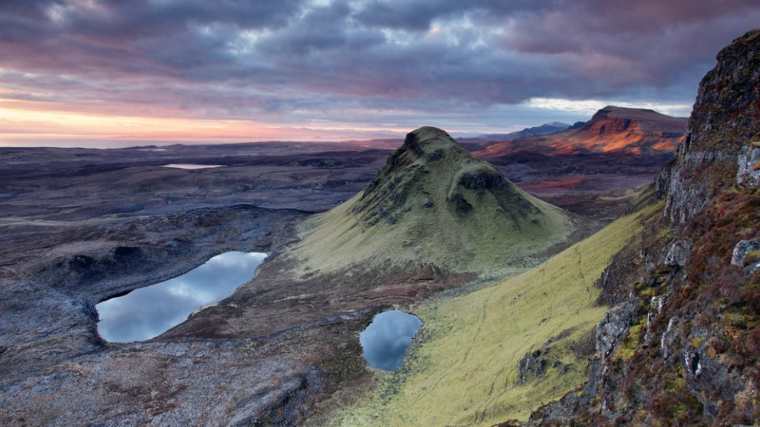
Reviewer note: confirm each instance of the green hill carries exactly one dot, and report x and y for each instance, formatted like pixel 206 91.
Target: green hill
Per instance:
pixel 432 203
pixel 465 371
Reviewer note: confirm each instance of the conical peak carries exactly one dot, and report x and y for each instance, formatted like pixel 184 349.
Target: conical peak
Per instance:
pixel 427 139
pixel 426 133
pixel 434 203
pixel 423 147
pixel 431 172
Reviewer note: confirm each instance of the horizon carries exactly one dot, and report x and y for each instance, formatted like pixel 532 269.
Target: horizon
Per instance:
pixel 100 74
pixel 379 139
pixel 363 213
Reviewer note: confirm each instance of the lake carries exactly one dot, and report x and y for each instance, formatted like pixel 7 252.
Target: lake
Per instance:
pixel 385 340
pixel 190 166
pixel 150 311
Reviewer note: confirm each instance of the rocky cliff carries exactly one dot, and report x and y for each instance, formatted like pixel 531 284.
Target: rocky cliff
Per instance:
pixel 682 342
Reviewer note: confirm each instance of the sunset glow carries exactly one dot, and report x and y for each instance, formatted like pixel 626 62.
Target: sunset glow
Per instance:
pixel 19 125
pixel 97 71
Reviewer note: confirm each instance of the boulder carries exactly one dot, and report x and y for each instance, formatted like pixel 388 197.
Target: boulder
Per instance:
pixel 745 254
pixel 748 166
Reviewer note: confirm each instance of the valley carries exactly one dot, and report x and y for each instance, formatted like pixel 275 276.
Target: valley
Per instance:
pixel 379 213
pixel 539 269
pixel 86 225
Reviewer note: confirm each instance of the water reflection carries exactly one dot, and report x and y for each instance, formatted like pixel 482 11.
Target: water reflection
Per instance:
pixel 386 339
pixel 190 166
pixel 147 312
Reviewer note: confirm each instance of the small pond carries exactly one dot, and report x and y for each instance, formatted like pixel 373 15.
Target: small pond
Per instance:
pixel 190 166
pixel 385 340
pixel 150 311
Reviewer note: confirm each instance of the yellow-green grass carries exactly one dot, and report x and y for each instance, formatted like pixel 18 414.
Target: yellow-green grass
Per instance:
pixel 337 241
pixel 503 228
pixel 465 369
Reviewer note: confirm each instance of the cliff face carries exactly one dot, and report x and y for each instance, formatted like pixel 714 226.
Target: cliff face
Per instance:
pixel 681 344
pixel 721 131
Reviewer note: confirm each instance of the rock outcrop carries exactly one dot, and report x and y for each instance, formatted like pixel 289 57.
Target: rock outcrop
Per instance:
pixel 746 254
pixel 683 348
pixel 722 131
pixel 748 173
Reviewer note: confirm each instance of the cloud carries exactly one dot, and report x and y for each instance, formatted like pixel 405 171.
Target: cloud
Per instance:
pixel 590 106
pixel 364 63
pixel 420 14
pixel 385 340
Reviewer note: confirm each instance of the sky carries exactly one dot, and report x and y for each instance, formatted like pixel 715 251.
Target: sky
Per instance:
pixel 115 72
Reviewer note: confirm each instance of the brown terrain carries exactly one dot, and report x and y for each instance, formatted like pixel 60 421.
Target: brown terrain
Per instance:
pixel 633 131
pixel 678 346
pixel 588 167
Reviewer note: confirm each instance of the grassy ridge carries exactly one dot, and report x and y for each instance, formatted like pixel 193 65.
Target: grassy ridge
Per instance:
pixel 465 371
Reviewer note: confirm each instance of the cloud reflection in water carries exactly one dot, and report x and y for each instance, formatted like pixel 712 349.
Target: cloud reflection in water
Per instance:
pixel 148 312
pixel 386 339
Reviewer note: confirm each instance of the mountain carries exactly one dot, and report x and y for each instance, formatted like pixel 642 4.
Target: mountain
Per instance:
pixel 652 321
pixel 432 203
pixel 612 129
pixel 544 129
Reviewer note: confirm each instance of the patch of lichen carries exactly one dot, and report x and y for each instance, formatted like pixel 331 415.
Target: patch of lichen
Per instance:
pixel 645 290
pixel 626 349
pixel 752 257
pixel 696 342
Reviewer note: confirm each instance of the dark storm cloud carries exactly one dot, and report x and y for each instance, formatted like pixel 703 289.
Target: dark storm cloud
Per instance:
pixel 142 17
pixel 241 58
pixel 321 29
pixel 640 43
pixel 419 14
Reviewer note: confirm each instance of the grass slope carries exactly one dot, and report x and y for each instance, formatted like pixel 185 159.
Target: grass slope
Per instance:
pixel 465 370
pixel 433 203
